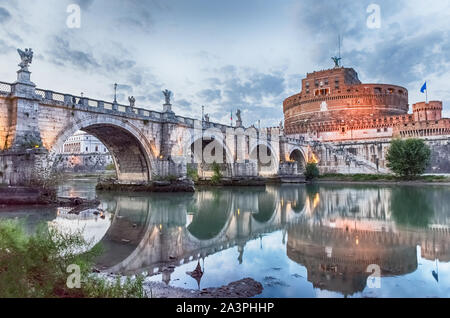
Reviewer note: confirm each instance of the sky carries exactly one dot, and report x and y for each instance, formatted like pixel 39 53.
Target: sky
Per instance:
pixel 224 54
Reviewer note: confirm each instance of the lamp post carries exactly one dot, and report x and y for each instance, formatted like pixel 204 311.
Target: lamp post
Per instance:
pixel 115 93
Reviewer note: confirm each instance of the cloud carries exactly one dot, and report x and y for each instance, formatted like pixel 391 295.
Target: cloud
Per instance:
pixel 5 48
pixel 399 58
pixel 253 88
pixel 4 15
pixel 210 95
pixel 84 4
pixel 63 54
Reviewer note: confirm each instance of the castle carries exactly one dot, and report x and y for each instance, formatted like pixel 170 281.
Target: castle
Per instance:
pixel 334 107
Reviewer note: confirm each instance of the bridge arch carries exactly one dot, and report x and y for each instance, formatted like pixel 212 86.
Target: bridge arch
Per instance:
pixel 131 151
pixel 263 153
pixel 206 147
pixel 298 155
pixel 214 213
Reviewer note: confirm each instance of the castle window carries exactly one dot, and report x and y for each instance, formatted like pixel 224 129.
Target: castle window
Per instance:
pixel 379 130
pixel 377 90
pixel 385 129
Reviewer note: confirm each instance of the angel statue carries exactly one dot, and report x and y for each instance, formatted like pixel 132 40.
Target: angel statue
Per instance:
pixel 238 115
pixel 132 101
pixel 27 58
pixel 167 95
pixel 337 61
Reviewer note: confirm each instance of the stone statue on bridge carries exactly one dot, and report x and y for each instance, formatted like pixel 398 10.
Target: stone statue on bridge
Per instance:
pixel 26 57
pixel 132 101
pixel 238 115
pixel 167 96
pixel 239 118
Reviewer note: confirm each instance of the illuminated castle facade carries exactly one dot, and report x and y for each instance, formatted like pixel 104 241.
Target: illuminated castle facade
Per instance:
pixel 352 124
pixel 334 105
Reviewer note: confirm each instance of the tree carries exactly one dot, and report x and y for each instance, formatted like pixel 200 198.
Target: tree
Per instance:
pixel 217 174
pixel 408 158
pixel 311 172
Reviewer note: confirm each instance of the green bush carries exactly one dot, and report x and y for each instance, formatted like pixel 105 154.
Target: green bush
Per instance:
pixel 35 266
pixel 110 167
pixel 192 173
pixel 311 172
pixel 408 158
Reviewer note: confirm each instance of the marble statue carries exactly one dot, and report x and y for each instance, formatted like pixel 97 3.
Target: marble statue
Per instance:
pixel 132 101
pixel 26 57
pixel 167 96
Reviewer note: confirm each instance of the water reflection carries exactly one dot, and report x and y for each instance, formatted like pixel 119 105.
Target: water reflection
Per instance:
pixel 334 233
pixel 299 241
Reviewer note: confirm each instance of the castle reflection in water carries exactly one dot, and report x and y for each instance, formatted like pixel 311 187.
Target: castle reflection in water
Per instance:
pixel 334 232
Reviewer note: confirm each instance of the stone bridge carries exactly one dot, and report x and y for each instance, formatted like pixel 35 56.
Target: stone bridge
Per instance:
pixel 35 123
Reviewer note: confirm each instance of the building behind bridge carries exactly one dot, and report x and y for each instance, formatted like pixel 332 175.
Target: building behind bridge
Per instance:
pixel 334 107
pixel 83 152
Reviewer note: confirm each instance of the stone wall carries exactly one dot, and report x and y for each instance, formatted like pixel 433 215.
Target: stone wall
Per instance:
pixel 82 163
pixel 440 155
pixel 368 157
pixel 18 168
pixel 5 121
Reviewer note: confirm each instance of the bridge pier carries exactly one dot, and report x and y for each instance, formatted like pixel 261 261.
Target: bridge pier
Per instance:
pixel 22 153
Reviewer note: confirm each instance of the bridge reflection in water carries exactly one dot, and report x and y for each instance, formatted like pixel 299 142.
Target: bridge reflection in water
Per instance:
pixel 335 233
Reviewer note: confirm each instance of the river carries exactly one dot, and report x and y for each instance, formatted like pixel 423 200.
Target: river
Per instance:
pixel 327 240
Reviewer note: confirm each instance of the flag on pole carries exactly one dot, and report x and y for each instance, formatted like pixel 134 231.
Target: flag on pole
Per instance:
pixel 231 118
pixel 424 88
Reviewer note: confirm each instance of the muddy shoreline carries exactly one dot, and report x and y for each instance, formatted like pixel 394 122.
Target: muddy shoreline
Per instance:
pixel 244 288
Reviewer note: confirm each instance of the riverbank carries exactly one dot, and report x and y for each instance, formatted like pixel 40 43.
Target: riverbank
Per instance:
pixel 244 288
pixel 184 185
pixel 10 196
pixel 250 182
pixel 383 179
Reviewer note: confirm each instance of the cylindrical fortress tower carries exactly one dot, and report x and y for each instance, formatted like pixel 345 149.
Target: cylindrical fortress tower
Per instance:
pixel 338 95
pixel 427 111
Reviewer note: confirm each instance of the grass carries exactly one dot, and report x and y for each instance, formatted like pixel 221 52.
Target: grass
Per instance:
pixel 35 266
pixel 380 178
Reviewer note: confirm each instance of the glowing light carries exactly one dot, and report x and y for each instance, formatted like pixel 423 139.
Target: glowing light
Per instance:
pixel 316 200
pixel 160 227
pixel 357 241
pixel 312 157
pixel 239 211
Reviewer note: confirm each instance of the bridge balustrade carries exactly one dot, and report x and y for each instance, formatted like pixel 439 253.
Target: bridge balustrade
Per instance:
pixel 5 88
